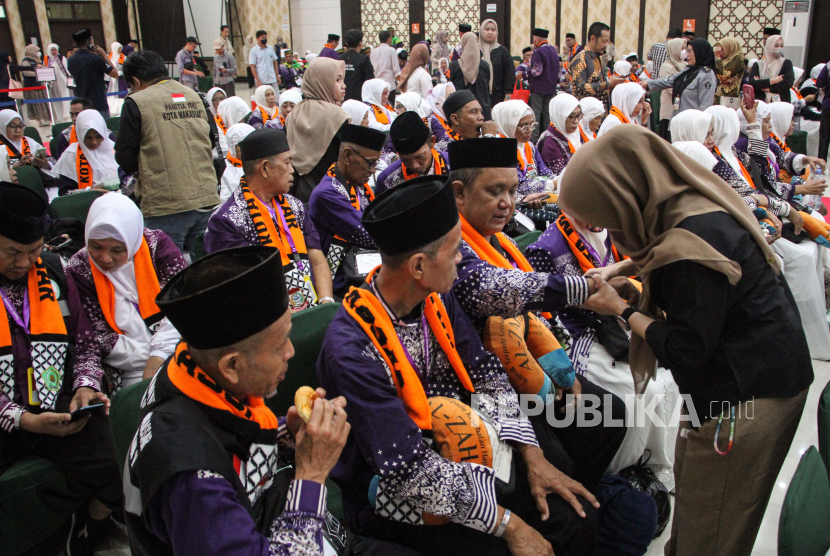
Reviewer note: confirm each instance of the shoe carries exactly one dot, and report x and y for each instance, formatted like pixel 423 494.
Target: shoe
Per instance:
pixel 84 533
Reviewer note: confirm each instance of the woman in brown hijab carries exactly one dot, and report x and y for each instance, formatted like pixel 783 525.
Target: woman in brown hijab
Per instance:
pixel 312 126
pixel 414 77
pixel 712 310
pixel 472 73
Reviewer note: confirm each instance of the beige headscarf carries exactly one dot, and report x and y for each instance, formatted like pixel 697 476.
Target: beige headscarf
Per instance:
pixel 641 201
pixel 488 47
pixel 770 66
pixel 673 64
pixel 315 121
pixel 470 59
pixel 418 59
pixel 731 49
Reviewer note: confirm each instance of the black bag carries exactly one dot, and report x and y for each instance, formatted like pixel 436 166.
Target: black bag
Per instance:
pixel 643 478
pixel 608 331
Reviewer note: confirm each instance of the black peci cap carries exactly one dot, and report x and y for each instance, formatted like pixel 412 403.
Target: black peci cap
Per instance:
pixel 484 152
pixel 263 143
pixel 409 133
pixel 22 213
pixel 365 137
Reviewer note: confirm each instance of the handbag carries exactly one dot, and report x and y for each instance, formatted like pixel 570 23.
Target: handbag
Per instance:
pixel 14 84
pixel 519 92
pixel 608 331
pixel 643 478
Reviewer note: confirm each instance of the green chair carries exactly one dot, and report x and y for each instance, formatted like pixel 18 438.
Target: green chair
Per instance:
pixel 824 426
pixel 114 124
pixel 124 418
pixel 53 146
pixel 523 241
pixel 73 206
pixel 803 529
pixel 28 176
pixel 798 142
pixel 57 129
pixel 33 133
pixel 205 83
pixel 307 331
pixel 199 247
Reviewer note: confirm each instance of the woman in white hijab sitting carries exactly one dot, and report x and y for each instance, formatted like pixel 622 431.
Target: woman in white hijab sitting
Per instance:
pixel 407 102
pixel 515 119
pixel 437 120
pixel 233 110
pixel 233 165
pixel 628 106
pixel 215 96
pixel 21 150
pixel 593 112
pixel 375 94
pixel 562 138
pixel 89 163
pixel 622 69
pixel 288 101
pixel 119 274
pixel 358 112
pixel 266 113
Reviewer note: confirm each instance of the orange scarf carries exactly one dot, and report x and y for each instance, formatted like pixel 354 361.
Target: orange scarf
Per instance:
pixel 746 174
pixel 528 156
pixel 798 94
pixel 121 58
pixel 585 138
pixel 488 253
pixel 439 167
pixel 146 280
pixel 83 169
pixel 73 136
pixel 282 121
pixel 616 112
pixel 45 313
pixel 633 78
pixel 367 310
pixel 265 117
pixel 353 198
pixel 235 162
pixel 570 146
pixel 453 135
pixel 27 150
pixel 198 386
pixel 220 123
pixel 266 228
pixel 780 143
pixel 583 256
pixel 380 115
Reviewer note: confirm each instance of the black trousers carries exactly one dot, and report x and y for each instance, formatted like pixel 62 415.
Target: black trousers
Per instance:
pixel 824 134
pixel 540 105
pixel 87 459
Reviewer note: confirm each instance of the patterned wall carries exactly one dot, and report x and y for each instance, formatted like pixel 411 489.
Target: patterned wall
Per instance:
pixel 744 19
pixel 379 15
pixel 519 26
pixel 571 18
pixel 443 14
pixel 269 15
pixel 598 10
pixel 657 23
pixel 627 27
pixel 546 17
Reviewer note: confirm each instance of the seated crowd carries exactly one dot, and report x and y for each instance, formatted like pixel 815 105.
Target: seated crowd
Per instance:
pixel 659 274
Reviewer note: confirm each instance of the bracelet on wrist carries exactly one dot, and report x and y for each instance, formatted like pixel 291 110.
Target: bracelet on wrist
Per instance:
pixel 326 299
pixel 503 525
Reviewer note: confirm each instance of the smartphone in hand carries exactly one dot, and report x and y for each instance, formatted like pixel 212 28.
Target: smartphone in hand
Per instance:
pixel 749 96
pixel 82 412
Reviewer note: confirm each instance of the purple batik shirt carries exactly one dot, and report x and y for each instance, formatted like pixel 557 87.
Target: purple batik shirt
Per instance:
pixel 393 174
pixel 329 52
pixel 544 70
pixel 85 364
pixel 198 514
pixel 386 444
pixel 484 290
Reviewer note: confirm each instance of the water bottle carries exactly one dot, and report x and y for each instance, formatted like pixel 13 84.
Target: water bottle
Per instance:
pixel 814 201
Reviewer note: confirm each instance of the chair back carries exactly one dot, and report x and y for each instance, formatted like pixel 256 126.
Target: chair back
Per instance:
pixel 124 418
pixel 28 176
pixel 803 529
pixel 824 426
pixel 525 240
pixel 73 206
pixel 33 133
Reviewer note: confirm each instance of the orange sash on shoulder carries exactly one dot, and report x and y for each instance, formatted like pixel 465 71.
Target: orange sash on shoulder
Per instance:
pixel 380 115
pixel 148 288
pixel 265 117
pixel 44 312
pixel 439 167
pixel 266 228
pixel 83 169
pixel 616 112
pixel 220 123
pixel 582 254
pixel 73 136
pixel 746 175
pixel 453 135
pixel 27 150
pixel 366 309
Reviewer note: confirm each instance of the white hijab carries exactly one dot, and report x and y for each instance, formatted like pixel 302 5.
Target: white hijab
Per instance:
pixel 596 239
pixel 622 68
pixel 410 101
pixel 259 96
pixel 507 115
pixel 114 216
pixel 373 91
pixel 690 125
pixel 591 108
pixel 814 73
pixel 437 96
pixel 782 117
pixel 6 117
pixel 727 130
pixel 560 108
pixel 356 110
pixel 761 112
pixel 291 95
pixel 797 73
pixel 233 110
pixel 696 151
pixel 625 98
pixel 101 160
pixel 235 134
pixel 209 97
pixel 114 53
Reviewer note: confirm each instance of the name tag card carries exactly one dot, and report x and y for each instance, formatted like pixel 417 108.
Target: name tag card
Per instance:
pixel 45 74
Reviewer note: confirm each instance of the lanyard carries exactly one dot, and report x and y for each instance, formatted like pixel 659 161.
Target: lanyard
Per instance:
pixel 284 226
pixel 24 322
pixel 593 252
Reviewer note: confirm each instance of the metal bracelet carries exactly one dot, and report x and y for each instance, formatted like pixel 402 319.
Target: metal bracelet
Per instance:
pixel 503 525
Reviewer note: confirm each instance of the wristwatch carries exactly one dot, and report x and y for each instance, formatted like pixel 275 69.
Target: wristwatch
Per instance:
pixel 623 319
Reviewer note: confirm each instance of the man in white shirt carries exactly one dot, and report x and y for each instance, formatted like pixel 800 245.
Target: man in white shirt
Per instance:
pixel 264 62
pixel 385 60
pixel 225 36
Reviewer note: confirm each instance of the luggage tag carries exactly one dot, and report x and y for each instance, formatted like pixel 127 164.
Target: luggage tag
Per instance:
pixel 34 397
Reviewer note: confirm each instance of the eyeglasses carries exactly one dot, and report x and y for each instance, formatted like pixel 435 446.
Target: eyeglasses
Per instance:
pixel 372 165
pixel 17 127
pixel 529 127
pixel 575 117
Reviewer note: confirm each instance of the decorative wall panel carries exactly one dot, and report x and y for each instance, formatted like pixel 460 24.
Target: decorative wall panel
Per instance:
pixel 599 10
pixel 546 18
pixel 656 24
pixel 520 25
pixel 379 15
pixel 627 27
pixel 746 20
pixel 571 18
pixel 108 22
pixel 446 15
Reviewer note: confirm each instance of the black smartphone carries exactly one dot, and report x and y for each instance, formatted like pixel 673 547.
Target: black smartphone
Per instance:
pixel 58 242
pixel 88 410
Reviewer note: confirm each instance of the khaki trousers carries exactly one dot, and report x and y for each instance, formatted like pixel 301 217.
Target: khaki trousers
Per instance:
pixel 721 500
